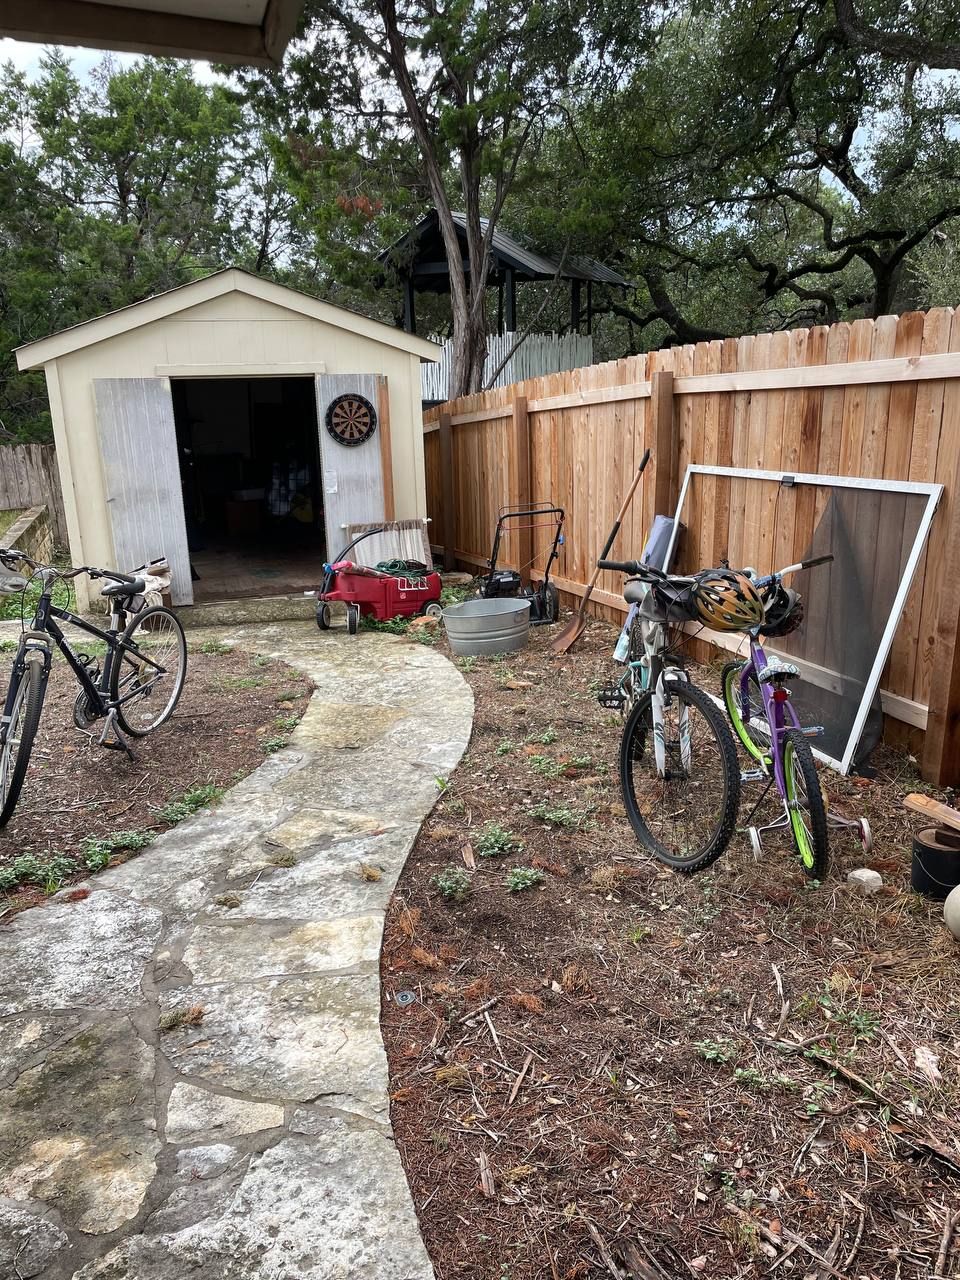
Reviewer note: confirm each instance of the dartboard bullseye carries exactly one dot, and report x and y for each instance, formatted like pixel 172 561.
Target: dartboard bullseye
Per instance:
pixel 351 419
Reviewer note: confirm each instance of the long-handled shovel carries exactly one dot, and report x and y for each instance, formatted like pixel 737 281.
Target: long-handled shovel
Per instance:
pixel 574 628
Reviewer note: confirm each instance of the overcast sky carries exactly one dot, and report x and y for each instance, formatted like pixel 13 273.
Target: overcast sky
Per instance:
pixel 27 58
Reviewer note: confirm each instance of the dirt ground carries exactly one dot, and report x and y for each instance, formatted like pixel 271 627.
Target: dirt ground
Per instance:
pixel 235 708
pixel 621 1072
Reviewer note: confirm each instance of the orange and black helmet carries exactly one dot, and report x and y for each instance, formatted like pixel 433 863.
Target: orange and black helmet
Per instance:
pixel 727 601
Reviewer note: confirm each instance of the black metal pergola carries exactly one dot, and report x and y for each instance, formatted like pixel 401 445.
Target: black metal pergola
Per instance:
pixel 420 260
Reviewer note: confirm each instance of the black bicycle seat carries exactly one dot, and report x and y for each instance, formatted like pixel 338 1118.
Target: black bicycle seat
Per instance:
pixel 133 588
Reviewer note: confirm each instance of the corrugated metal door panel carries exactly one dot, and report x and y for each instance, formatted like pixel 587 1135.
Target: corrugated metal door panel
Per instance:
pixel 141 471
pixel 352 479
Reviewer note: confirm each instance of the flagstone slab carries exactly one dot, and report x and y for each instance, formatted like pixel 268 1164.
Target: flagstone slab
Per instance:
pixel 79 1131
pixel 88 954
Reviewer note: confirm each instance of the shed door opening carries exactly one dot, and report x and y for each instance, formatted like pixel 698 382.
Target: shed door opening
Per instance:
pixel 252 491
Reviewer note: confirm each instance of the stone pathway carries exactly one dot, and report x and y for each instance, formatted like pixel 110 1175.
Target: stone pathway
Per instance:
pixel 192 1079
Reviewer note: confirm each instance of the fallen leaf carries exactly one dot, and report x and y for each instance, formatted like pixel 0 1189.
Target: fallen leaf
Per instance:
pixel 698 1264
pixel 370 873
pixel 517 684
pixel 467 854
pixel 928 1062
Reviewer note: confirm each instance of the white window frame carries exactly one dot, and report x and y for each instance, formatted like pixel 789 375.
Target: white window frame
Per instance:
pixel 932 492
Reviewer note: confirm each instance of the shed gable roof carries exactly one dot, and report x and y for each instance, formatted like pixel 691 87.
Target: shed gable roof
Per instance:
pixel 230 280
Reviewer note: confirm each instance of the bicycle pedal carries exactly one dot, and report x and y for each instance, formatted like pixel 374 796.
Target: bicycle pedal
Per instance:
pixel 753 775
pixel 612 697
pixel 814 731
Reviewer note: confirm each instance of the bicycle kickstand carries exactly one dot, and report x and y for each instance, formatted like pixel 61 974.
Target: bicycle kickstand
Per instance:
pixel 119 742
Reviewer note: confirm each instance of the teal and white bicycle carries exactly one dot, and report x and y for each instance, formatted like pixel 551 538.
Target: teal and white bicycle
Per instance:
pixel 678 763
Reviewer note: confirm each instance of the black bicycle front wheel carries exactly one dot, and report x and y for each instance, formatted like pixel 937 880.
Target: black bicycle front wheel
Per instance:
pixel 21 731
pixel 148 673
pixel 686 814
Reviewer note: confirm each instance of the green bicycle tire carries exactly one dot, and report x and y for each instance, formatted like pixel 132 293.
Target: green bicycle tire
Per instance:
pixel 757 747
pixel 809 837
pixel 637 744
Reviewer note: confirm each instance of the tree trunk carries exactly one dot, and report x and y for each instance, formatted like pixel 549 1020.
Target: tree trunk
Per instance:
pixel 886 279
pixel 469 352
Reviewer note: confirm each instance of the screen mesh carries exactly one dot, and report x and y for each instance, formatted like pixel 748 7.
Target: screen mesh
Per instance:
pixel 847 605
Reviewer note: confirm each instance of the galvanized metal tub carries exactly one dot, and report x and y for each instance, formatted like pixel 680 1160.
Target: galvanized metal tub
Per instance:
pixel 483 627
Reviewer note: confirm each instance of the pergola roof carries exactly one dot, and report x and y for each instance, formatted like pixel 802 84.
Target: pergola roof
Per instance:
pixel 255 32
pixel 420 255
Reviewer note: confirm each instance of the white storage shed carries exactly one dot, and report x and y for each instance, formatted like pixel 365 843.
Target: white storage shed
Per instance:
pixel 236 427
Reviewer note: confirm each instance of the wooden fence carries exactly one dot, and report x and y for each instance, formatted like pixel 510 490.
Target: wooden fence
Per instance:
pixel 29 478
pixel 876 398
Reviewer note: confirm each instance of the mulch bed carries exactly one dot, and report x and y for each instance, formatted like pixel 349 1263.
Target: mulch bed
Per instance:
pixel 624 1072
pixel 234 708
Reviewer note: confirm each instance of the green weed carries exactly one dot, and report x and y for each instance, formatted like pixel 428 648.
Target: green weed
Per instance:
pixel 216 647
pixel 721 1050
pixel 545 766
pixel 29 869
pixel 521 878
pixel 546 738
pixel 287 722
pixel 96 851
pixel 504 747
pixel 492 840
pixel 556 815
pixel 452 883
pixel 468 662
pixel 274 744
pixel 194 798
pixel 239 683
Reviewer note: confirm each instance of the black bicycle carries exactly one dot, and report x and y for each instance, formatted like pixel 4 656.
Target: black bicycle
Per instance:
pixel 134 691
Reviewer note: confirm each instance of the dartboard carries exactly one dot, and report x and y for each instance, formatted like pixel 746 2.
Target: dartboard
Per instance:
pixel 351 419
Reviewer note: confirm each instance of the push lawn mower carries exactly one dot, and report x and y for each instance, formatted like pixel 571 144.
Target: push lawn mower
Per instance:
pixel 500 583
pixel 397 589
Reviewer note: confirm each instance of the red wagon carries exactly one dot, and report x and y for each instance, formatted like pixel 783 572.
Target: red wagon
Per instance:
pixel 376 593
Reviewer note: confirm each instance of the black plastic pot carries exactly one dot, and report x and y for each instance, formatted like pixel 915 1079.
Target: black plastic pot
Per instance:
pixel 936 863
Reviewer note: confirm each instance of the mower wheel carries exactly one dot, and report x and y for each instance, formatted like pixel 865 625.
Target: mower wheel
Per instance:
pixel 353 618
pixel 551 602
pixel 433 610
pixel 323 616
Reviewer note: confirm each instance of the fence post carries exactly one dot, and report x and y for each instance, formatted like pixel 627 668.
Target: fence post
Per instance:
pixel 941 741
pixel 522 445
pixel 663 439
pixel 448 494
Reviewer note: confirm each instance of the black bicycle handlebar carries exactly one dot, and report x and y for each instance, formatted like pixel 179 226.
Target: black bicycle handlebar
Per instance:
pixel 10 555
pixel 633 568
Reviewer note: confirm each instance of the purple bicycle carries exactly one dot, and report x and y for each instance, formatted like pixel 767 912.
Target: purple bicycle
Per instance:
pixel 764 719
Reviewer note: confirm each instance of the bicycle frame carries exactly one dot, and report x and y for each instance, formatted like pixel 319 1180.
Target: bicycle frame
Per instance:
pixel 655 676
pixel 44 629
pixel 779 712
